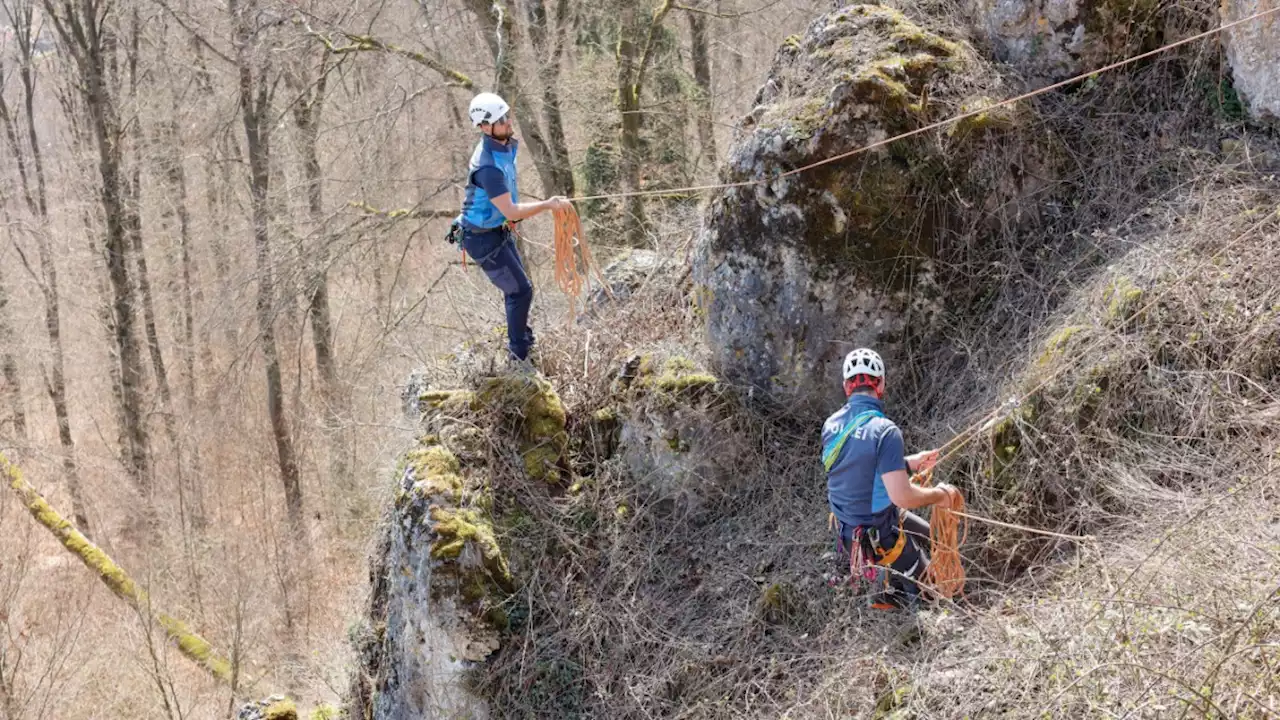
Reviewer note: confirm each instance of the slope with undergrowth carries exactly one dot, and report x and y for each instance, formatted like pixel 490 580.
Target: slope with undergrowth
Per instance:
pixel 665 554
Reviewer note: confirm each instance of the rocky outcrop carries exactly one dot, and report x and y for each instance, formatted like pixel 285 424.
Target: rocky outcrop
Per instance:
pixel 673 431
pixel 440 579
pixel 1056 39
pixel 794 272
pixel 1253 50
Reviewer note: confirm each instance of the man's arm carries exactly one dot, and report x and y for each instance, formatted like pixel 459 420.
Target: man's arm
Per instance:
pixel 907 496
pixel 515 212
pixel 893 465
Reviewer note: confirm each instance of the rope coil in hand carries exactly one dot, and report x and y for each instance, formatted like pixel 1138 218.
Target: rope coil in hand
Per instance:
pixel 570 244
pixel 948 530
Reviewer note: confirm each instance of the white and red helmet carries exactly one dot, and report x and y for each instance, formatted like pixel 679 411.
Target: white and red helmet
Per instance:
pixel 864 361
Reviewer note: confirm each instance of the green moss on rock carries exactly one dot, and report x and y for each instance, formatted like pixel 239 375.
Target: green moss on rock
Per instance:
pixel 1122 299
pixel 281 710
pixel 436 472
pixel 325 712
pixel 456 528
pixel 678 375
pixel 542 419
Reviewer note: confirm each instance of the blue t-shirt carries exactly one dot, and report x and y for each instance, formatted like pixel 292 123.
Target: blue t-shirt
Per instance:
pixel 871 447
pixel 491 180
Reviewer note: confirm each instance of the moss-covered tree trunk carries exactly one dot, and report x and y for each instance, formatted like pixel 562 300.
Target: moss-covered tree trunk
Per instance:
pixel 190 644
pixel 628 58
pixel 701 57
pixel 635 51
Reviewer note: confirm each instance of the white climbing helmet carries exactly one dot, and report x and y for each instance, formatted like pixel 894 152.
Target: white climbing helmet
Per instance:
pixel 487 108
pixel 863 361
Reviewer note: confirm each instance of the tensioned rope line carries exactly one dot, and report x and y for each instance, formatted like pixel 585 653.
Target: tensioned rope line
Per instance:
pixel 940 123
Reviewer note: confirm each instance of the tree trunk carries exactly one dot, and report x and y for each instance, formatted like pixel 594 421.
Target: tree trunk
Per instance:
pixel 334 400
pixel 81 28
pixel 9 367
pixel 21 14
pixel 702 76
pixel 176 215
pixel 255 107
pixel 628 58
pixel 550 48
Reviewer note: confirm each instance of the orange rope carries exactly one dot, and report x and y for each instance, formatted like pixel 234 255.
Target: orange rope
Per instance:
pixel 569 238
pixel 948 529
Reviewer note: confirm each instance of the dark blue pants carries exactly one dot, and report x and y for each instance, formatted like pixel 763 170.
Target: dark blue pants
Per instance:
pixel 495 252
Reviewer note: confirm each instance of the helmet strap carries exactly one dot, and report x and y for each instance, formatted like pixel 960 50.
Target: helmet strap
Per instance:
pixel 864 381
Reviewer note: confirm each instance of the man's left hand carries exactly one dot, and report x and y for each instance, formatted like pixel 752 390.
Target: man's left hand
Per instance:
pixel 922 461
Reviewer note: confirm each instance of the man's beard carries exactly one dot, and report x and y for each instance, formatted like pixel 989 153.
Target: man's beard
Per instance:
pixel 503 137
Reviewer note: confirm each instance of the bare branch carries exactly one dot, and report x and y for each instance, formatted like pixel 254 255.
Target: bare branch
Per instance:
pixel 366 43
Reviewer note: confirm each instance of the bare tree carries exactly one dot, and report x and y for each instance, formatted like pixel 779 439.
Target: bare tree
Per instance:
pixel 9 366
pixel 309 80
pixel 176 217
pixel 256 86
pixel 85 29
pixel 547 34
pixel 499 31
pixel 20 14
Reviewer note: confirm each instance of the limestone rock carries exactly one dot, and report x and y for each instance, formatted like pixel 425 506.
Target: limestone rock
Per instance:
pixel 439 579
pixel 673 436
pixel 630 271
pixel 795 272
pixel 1051 40
pixel 1253 49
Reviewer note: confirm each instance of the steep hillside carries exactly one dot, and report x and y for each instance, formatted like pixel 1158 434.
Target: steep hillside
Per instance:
pixel 638 530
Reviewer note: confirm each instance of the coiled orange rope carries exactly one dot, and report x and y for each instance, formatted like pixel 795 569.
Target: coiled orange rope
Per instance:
pixel 571 244
pixel 948 529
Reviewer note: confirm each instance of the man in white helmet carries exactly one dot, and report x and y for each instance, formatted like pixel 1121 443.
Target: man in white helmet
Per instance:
pixel 491 206
pixel 869 489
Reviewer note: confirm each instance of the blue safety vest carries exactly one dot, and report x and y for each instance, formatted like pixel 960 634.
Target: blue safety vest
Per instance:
pixel 478 211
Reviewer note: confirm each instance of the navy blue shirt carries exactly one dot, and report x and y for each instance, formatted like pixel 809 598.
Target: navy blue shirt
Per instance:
pixel 491 180
pixel 859 446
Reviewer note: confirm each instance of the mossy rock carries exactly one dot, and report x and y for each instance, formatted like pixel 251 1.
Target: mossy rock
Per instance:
pixel 325 712
pixel 281 710
pixel 1123 300
pixel 436 472
pixel 540 414
pixel 674 377
pixel 1056 39
pixel 780 603
pixel 791 266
